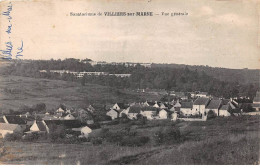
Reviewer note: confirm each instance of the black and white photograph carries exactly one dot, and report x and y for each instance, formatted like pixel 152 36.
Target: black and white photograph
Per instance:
pixel 130 82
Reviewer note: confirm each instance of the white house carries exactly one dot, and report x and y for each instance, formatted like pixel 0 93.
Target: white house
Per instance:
pixel 199 105
pixel 224 110
pixel 156 105
pixel 113 113
pixel 119 106
pixel 69 117
pixel 9 129
pixel 39 126
pixel 60 110
pixel 148 112
pixel 85 131
pixel 163 114
pixel 186 108
pixel 214 106
pixel 177 106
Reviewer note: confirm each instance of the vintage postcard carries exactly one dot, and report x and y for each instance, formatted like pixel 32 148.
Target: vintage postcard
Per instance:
pixel 139 82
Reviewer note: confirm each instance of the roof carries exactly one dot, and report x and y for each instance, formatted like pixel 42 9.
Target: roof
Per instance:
pixel 66 123
pixel 41 126
pixel 214 104
pixel 9 127
pixel 225 101
pixel 122 105
pixel 201 101
pixel 186 105
pixel 15 120
pixel 135 109
pixel 2 120
pixel 151 103
pixel 148 108
pixel 224 107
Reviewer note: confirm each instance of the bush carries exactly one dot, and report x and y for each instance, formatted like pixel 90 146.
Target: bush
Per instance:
pixel 134 141
pixel 13 137
pixel 31 137
pixel 211 115
pixel 167 135
pixel 96 141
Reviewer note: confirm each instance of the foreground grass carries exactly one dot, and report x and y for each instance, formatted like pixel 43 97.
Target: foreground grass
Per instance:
pixel 233 140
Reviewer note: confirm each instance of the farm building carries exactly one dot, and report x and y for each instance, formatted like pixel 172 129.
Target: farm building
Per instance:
pixel 214 106
pixel 224 110
pixel 10 129
pixel 39 126
pixel 186 108
pixel 113 113
pixel 199 105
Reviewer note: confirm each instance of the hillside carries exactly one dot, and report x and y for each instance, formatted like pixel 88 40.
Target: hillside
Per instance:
pixel 16 91
pixel 243 76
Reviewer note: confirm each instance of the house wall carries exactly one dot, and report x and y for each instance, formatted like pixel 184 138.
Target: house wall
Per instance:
pixel 187 111
pixel 224 113
pixel 113 114
pixel 132 115
pixel 214 110
pixel 5 132
pixel 34 127
pixel 148 114
pixel 198 109
pixel 116 107
pixel 163 114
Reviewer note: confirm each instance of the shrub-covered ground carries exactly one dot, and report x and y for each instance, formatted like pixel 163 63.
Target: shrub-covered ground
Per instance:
pixel 233 140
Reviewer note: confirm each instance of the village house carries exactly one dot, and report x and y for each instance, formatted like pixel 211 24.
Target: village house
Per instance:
pixel 8 119
pixel 134 111
pixel 214 105
pixel 177 106
pixel 199 105
pixel 156 105
pixel 224 110
pixel 39 127
pixel 6 128
pixel 85 131
pixel 163 105
pixel 119 106
pixel 148 112
pixel 163 114
pixel 186 108
pixel 113 113
pixel 69 117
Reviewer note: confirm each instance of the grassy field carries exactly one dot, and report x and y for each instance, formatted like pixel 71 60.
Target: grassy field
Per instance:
pixel 233 140
pixel 16 91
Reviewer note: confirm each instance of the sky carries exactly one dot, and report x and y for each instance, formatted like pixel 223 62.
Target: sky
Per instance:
pixel 217 33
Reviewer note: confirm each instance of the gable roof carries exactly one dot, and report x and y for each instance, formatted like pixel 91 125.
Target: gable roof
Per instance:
pixel 15 120
pixel 201 101
pixel 225 101
pixel 122 105
pixel 66 123
pixel 41 126
pixel 186 105
pixel 214 104
pixel 224 107
pixel 135 109
pixel 9 127
pixel 148 108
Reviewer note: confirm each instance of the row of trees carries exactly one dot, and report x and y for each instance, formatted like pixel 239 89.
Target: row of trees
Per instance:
pixel 178 79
